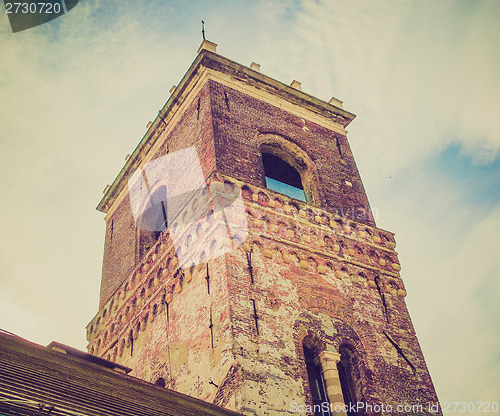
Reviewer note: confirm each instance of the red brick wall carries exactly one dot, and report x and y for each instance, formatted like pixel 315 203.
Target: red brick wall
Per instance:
pixel 294 301
pixel 121 252
pixel 232 126
pixel 238 121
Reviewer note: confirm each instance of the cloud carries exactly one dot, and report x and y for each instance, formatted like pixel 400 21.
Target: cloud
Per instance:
pixel 452 293
pixel 76 100
pixel 446 244
pixel 418 76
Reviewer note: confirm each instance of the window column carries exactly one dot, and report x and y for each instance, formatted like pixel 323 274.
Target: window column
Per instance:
pixel 328 361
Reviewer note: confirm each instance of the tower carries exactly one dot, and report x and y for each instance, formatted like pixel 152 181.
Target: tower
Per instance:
pixel 265 287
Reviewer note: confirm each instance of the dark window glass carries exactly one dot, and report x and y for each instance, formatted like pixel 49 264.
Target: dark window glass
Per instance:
pixel 345 369
pixel 316 384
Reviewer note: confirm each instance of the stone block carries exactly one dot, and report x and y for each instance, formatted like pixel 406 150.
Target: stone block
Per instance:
pixel 169 297
pixel 267 253
pixel 246 247
pixel 304 264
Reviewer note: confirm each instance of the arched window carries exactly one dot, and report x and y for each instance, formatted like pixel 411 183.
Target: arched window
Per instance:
pixel 153 220
pixel 316 383
pixel 348 380
pixel 282 178
pixel 154 216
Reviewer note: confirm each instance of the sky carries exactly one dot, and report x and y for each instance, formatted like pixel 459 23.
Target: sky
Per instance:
pixel 421 76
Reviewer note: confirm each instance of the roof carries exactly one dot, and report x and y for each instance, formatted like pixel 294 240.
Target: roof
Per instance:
pixel 59 380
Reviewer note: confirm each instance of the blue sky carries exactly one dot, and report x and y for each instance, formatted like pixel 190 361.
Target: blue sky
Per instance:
pixel 478 180
pixel 421 76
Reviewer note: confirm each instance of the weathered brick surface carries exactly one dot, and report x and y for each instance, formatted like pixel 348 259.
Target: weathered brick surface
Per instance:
pixel 240 126
pixel 123 251
pixel 294 302
pixel 236 338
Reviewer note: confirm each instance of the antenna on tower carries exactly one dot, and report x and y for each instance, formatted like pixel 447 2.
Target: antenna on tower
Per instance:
pixel 203 29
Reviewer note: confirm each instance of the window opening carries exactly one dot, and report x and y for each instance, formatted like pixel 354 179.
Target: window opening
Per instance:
pixel 345 369
pixel 316 384
pixel 154 220
pixel 282 178
pixel 111 233
pixel 338 147
pixel 155 216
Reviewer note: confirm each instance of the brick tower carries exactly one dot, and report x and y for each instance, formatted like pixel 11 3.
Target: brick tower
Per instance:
pixel 304 307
